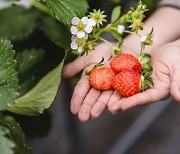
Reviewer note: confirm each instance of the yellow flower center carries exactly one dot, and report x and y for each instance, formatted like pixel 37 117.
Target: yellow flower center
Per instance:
pixel 80 42
pixel 137 24
pixel 80 26
pixel 97 16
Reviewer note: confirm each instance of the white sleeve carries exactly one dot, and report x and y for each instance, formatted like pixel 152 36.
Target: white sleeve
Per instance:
pixel 171 3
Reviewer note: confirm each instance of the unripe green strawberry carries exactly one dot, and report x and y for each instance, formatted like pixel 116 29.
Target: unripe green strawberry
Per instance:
pixel 101 78
pixel 127 83
pixel 125 62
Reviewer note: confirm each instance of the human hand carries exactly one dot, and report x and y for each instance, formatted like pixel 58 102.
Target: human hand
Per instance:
pixel 166 77
pixel 86 101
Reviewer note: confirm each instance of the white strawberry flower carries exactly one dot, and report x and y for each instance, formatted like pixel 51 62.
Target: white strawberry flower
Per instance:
pixel 78 43
pixel 120 29
pixel 81 27
pixel 143 38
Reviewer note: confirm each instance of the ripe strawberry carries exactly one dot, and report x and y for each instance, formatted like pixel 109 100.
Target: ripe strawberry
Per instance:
pixel 101 78
pixel 125 62
pixel 127 83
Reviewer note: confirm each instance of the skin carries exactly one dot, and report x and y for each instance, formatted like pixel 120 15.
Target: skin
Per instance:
pixel 88 102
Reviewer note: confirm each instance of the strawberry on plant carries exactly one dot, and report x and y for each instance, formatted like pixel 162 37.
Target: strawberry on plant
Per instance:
pixel 125 62
pixel 127 83
pixel 101 78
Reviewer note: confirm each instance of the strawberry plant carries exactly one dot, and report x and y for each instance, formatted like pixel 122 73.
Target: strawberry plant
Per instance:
pixel 35 39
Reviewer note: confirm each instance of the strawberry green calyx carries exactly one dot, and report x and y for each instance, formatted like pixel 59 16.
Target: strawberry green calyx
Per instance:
pixel 147 68
pixel 95 66
pixel 144 58
pixel 146 82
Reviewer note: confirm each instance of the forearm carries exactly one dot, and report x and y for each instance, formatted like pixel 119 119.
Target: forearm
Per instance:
pixel 166 25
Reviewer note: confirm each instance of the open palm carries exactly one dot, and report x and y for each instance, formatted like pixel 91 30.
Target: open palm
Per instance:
pixel 166 77
pixel 88 102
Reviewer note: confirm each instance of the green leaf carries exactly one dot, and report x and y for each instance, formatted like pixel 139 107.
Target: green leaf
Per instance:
pixel 118 37
pixel 6 145
pixel 27 62
pixel 8 75
pixel 65 10
pixel 41 96
pixel 116 14
pixel 17 136
pixel 58 33
pixel 17 22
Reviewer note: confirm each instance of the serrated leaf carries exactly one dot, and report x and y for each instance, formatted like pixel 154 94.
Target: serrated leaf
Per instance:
pixel 115 14
pixel 65 10
pixel 58 33
pixel 17 136
pixel 27 60
pixel 41 96
pixel 6 145
pixel 8 75
pixel 16 22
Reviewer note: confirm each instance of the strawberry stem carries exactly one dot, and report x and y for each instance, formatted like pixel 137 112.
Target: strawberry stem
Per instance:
pixel 106 41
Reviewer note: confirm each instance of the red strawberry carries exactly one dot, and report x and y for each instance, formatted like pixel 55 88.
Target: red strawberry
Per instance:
pixel 125 62
pixel 101 78
pixel 127 83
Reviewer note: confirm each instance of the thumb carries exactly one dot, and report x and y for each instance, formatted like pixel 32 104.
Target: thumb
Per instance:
pixel 175 85
pixel 75 67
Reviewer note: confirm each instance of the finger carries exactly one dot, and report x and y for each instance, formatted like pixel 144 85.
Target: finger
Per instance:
pixel 101 103
pixel 75 67
pixel 114 98
pixel 149 96
pixel 80 91
pixel 90 99
pixel 175 86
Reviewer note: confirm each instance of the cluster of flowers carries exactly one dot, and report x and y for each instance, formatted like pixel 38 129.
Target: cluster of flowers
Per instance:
pixel 86 31
pixel 82 28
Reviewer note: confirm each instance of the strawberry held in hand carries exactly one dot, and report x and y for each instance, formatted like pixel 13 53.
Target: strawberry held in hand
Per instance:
pixel 134 74
pixel 125 62
pixel 127 83
pixel 101 78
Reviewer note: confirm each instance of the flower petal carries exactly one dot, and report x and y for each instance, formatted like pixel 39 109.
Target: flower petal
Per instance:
pixel 80 34
pixel 74 45
pixel 74 30
pixel 75 21
pixel 91 22
pixel 120 29
pixel 86 36
pixel 143 38
pixel 80 49
pixel 73 38
pixel 88 29
pixel 84 20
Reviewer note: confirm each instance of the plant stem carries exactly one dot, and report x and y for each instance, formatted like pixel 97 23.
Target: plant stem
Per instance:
pixel 103 30
pixel 106 41
pixel 41 7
